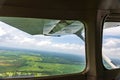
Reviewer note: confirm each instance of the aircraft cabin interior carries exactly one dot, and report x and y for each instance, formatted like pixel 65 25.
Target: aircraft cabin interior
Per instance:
pixel 59 39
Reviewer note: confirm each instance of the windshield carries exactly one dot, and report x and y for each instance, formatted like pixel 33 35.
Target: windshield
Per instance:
pixel 40 47
pixel 111 42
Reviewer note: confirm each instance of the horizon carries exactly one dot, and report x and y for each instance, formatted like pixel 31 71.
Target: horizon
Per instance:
pixel 13 37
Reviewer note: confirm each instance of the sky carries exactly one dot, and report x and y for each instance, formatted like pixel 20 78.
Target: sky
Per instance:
pixel 111 41
pixel 13 37
pixel 111 45
pixel 70 44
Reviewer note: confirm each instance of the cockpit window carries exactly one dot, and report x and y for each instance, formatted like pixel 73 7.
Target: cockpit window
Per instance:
pixel 111 45
pixel 40 47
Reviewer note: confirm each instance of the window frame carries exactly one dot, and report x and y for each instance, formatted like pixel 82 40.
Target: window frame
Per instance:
pixel 112 16
pixel 72 76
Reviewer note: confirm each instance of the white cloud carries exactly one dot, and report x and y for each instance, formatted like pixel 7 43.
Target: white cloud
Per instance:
pixel 13 37
pixel 111 44
pixel 27 40
pixel 44 43
pixel 2 32
pixel 67 48
pixel 114 31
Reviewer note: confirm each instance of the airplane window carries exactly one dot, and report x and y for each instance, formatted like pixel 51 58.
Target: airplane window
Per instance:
pixel 40 47
pixel 111 45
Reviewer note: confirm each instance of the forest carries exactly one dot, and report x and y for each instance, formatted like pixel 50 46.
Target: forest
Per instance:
pixel 25 63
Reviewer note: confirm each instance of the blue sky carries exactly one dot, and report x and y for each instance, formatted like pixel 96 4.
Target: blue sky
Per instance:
pixel 12 37
pixel 111 42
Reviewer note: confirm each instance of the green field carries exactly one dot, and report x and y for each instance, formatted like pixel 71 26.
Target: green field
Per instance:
pixel 24 63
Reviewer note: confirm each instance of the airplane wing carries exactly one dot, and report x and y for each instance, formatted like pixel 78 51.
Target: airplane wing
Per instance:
pixel 45 26
pixel 75 27
pixel 29 25
pixel 109 61
pixel 49 25
pixel 71 28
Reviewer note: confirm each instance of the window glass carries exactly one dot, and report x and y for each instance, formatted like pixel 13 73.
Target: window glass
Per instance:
pixel 111 45
pixel 40 47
